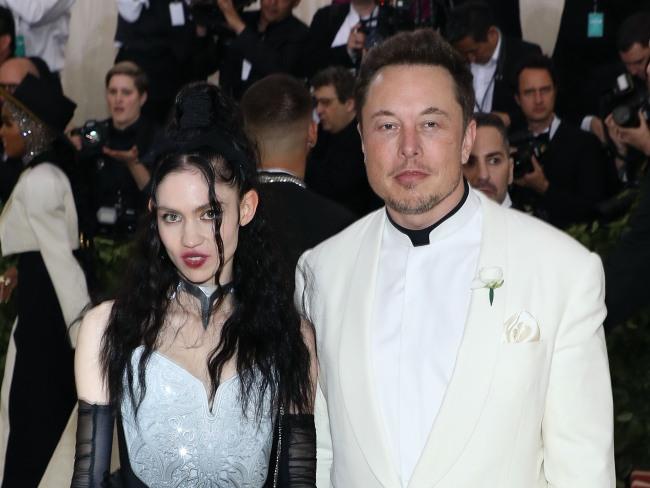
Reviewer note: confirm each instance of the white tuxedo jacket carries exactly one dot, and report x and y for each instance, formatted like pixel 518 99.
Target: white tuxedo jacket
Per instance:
pixel 515 414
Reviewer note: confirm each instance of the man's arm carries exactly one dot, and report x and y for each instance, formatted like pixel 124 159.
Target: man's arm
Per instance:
pixel 35 12
pixel 578 425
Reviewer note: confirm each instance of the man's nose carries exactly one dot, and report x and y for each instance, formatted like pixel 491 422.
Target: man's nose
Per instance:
pixel 409 142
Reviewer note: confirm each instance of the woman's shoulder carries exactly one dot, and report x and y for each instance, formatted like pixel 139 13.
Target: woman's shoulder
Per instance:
pixel 93 326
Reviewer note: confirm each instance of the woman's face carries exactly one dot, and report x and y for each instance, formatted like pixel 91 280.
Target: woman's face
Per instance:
pixel 12 140
pixel 124 100
pixel 185 224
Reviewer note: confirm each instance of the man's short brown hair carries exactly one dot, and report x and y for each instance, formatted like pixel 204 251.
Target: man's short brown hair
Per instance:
pixel 132 70
pixel 420 47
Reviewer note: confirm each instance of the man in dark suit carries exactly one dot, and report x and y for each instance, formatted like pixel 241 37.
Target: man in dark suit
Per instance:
pixel 572 175
pixel 284 131
pixel 493 59
pixel 268 40
pixel 336 168
pixel 335 36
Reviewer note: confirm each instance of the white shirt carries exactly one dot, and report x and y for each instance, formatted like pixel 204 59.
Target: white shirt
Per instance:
pixel 44 25
pixel 419 313
pixel 484 79
pixel 551 129
pixel 130 10
pixel 352 19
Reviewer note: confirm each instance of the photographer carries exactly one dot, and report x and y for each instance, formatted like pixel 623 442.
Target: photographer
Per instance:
pixel 564 184
pixel 336 37
pixel 111 150
pixel 266 41
pixel 628 265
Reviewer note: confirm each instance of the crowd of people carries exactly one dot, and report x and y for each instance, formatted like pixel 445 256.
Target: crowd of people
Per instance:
pixel 349 260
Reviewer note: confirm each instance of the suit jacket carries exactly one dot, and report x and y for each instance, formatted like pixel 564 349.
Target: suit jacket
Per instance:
pixel 323 28
pixel 277 50
pixel 530 414
pixel 335 169
pixel 299 219
pixel 513 52
pixel 40 215
pixel 579 177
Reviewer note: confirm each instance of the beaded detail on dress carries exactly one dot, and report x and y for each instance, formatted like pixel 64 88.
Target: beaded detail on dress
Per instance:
pixel 176 441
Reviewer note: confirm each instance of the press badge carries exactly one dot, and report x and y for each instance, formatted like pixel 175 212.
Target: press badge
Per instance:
pixel 177 14
pixel 596 24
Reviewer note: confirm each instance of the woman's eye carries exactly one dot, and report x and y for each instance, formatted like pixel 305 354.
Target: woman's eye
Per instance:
pixel 209 215
pixel 170 218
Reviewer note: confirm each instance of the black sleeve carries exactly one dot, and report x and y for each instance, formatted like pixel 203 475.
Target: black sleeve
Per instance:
pixel 576 201
pixel 318 52
pixel 266 59
pixel 297 461
pixel 94 443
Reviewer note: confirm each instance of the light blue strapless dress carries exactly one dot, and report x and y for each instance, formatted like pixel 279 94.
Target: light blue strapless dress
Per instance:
pixel 176 441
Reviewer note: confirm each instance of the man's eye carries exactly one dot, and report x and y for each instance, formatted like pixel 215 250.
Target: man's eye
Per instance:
pixel 494 161
pixel 430 124
pixel 388 126
pixel 170 218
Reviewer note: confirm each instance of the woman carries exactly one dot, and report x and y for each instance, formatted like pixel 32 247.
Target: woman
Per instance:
pixel 39 226
pixel 115 159
pixel 202 347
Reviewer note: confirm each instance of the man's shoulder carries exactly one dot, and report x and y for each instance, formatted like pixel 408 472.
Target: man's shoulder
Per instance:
pixel 346 242
pixel 520 46
pixel 543 244
pixel 574 137
pixel 331 13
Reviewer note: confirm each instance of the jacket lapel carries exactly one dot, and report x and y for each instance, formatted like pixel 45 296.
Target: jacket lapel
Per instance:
pixel 470 382
pixel 355 362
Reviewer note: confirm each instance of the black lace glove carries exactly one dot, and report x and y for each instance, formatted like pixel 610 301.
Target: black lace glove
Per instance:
pixel 92 461
pixel 297 467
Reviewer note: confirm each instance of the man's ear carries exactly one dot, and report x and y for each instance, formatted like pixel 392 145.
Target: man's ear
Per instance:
pixel 5 42
pixel 312 134
pixel 517 99
pixel 468 141
pixel 143 98
pixel 511 169
pixel 248 207
pixel 363 147
pixel 350 105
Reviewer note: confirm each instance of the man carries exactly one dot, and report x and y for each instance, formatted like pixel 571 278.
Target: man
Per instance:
pixel 489 167
pixel 336 37
pixel 284 131
pixel 573 175
pixel 43 27
pixel 633 45
pixel 460 344
pixel 269 40
pixel 335 168
pixel 493 59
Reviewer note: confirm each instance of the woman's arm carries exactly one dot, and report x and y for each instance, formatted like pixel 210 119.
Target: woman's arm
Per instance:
pixel 95 421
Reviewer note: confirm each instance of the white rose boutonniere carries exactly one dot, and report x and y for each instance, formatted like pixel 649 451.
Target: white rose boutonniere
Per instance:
pixel 491 278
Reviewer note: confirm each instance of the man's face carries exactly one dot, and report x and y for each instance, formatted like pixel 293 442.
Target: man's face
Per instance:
pixel 334 116
pixel 489 167
pixel 413 137
pixel 276 10
pixel 636 60
pixel 478 52
pixel 536 94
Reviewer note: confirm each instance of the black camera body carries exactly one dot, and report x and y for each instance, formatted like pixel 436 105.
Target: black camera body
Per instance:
pixel 625 100
pixel 526 146
pixel 392 17
pixel 94 136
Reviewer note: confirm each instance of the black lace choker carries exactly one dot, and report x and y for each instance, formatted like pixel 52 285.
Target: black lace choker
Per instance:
pixel 206 297
pixel 420 237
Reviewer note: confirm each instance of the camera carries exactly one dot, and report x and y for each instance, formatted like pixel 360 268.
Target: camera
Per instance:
pixel 526 146
pixel 94 136
pixel 391 18
pixel 117 220
pixel 208 14
pixel 625 100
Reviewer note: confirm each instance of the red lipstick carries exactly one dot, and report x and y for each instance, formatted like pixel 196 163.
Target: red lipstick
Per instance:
pixel 194 259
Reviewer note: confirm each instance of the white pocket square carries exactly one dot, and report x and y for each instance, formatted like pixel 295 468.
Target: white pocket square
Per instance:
pixel 521 327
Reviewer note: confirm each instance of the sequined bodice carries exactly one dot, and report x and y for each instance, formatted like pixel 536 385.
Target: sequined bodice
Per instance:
pixel 176 441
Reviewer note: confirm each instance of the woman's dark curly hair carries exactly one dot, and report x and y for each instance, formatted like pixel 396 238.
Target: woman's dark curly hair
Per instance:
pixel 264 330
